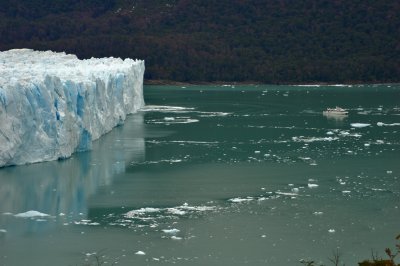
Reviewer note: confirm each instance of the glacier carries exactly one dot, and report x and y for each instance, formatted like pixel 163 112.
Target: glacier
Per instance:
pixel 54 104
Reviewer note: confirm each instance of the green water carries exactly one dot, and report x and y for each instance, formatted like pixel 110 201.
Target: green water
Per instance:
pixel 218 175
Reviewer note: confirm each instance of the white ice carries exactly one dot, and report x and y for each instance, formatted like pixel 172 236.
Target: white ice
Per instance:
pixel 140 253
pixel 381 124
pixel 173 231
pixel 53 104
pixel 31 214
pixel 360 125
pixel 240 200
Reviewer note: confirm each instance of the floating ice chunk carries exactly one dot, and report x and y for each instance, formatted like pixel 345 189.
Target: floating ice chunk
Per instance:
pixel 31 214
pixel 295 190
pixel 378 189
pixel 381 124
pixel 313 139
pixel 169 118
pixel 257 152
pixel 197 208
pixel 286 194
pixel 318 213
pixel 140 253
pixel 331 231
pixel 312 185
pixel 308 85
pixel 176 120
pixel 176 211
pixel 212 114
pixel 141 211
pixel 3 231
pixel 166 109
pixel 176 238
pixel 240 200
pixel 360 125
pixel 346 191
pixel 172 231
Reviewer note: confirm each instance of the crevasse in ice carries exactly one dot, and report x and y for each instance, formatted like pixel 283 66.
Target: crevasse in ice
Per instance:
pixel 53 104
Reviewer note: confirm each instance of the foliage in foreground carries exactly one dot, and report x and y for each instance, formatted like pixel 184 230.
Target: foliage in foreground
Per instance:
pixel 375 261
pixel 97 259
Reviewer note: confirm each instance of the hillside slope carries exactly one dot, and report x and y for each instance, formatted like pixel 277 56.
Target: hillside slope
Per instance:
pixel 229 40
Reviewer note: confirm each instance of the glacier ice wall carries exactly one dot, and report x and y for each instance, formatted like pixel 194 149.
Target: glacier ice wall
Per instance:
pixel 53 104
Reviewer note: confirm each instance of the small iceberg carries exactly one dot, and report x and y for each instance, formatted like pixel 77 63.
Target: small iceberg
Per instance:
pixel 381 124
pixel 31 214
pixel 240 200
pixel 140 253
pixel 171 231
pixel 360 125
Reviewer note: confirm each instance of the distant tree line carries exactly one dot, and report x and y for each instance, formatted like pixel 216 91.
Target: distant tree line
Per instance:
pixel 271 41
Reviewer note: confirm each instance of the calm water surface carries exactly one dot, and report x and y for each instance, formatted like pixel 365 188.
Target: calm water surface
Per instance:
pixel 217 175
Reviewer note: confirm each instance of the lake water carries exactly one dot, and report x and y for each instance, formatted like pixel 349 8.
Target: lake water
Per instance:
pixel 217 175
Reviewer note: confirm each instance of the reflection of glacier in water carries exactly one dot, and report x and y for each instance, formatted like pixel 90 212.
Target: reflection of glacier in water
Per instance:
pixel 60 189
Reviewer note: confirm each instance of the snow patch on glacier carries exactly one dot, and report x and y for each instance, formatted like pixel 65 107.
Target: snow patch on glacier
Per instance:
pixel 53 104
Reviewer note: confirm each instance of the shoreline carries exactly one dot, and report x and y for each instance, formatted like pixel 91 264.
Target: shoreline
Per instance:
pixel 242 83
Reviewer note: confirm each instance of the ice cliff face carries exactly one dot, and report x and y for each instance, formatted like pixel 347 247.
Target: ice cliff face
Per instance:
pixel 53 104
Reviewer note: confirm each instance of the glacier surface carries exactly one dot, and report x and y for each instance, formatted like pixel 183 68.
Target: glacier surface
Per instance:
pixel 53 104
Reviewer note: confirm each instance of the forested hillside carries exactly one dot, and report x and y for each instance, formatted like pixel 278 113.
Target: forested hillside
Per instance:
pixel 270 41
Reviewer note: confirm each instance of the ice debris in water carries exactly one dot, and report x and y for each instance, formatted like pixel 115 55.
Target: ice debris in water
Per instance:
pixel 381 124
pixel 313 139
pixel 295 190
pixel 166 109
pixel 240 200
pixel 140 253
pixel 152 214
pixel 172 231
pixel 31 214
pixel 360 125
pixel 53 104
